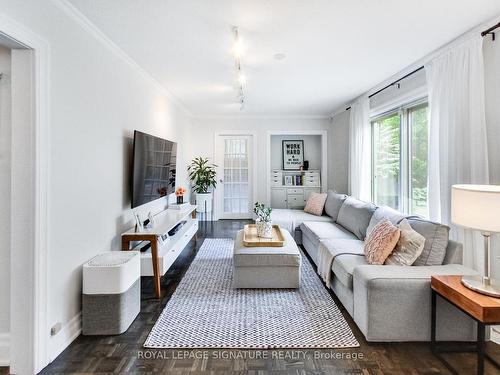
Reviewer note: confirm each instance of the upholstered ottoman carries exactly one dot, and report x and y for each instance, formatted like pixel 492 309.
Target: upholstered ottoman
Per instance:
pixel 266 267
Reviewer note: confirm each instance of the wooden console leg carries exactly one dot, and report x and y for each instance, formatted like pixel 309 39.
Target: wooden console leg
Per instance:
pixel 125 243
pixel 156 271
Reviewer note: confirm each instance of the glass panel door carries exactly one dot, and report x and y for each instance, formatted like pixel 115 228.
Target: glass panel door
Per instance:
pixel 417 118
pixel 386 160
pixel 236 183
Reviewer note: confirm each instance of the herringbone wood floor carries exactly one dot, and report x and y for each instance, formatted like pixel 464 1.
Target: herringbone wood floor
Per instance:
pixel 124 353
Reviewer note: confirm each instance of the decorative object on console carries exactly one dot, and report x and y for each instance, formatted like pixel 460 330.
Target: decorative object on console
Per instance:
pixel 380 242
pixel 203 178
pixel 316 203
pixel 263 222
pixel 138 221
pixel 151 219
pixel 179 193
pixel 409 247
pixel 477 207
pixel 293 154
pixel 305 166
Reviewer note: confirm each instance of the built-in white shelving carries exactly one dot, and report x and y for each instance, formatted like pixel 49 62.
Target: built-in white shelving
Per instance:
pixel 291 189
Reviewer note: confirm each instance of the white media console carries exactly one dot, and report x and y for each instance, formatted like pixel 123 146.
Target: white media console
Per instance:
pixel 164 248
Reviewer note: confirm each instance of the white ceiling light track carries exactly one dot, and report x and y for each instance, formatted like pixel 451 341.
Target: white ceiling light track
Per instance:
pixel 240 77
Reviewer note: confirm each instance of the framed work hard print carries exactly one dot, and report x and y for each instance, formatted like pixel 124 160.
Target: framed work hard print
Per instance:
pixel 293 154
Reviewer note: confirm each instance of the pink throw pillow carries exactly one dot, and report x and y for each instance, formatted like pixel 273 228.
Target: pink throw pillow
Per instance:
pixel 315 204
pixel 381 242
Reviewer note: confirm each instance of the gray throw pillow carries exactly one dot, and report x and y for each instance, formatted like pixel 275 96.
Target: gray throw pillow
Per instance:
pixel 355 215
pixel 333 203
pixel 436 241
pixel 385 212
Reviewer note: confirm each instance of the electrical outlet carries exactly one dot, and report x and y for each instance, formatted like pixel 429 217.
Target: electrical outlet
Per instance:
pixel 55 329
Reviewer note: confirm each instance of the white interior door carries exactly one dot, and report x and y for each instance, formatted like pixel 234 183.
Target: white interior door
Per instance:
pixel 235 177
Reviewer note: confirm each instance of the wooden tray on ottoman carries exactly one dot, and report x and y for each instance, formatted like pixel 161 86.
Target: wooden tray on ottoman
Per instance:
pixel 250 238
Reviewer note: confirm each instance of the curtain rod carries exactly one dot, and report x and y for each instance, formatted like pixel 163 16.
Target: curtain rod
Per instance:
pixel 392 84
pixel 490 31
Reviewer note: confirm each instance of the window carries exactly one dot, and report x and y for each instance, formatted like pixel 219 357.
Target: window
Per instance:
pixel 399 160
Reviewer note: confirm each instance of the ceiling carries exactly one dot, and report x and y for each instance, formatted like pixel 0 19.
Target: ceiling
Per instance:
pixel 335 49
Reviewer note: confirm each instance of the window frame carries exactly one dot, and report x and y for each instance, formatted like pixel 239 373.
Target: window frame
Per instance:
pixel 404 183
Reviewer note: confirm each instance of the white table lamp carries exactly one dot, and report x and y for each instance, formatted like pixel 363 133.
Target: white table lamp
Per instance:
pixel 478 207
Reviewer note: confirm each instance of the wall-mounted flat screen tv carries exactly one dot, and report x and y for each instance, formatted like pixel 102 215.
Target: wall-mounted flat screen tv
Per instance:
pixel 154 168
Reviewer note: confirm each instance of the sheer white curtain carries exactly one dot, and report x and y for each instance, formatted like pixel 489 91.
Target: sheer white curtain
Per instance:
pixel 457 133
pixel 360 150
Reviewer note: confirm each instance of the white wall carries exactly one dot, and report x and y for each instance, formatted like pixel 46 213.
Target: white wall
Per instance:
pixel 5 185
pixel 338 153
pixel 312 150
pixel 97 99
pixel 205 130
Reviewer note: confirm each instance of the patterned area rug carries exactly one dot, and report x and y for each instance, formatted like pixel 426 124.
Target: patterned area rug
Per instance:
pixel 206 312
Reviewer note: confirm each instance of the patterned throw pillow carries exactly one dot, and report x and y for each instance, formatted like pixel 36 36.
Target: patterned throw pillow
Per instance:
pixel 315 204
pixel 381 241
pixel 409 247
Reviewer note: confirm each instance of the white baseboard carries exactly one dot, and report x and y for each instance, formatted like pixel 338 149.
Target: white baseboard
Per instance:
pixel 69 332
pixel 4 349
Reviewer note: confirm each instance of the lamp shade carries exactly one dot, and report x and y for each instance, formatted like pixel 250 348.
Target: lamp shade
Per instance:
pixel 476 207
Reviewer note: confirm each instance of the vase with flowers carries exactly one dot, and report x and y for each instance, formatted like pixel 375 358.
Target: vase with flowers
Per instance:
pixel 263 221
pixel 179 193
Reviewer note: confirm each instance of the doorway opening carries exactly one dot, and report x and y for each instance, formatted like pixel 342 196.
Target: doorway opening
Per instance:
pixel 23 184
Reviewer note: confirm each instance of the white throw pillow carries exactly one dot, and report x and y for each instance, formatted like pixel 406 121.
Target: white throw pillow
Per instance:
pixel 409 247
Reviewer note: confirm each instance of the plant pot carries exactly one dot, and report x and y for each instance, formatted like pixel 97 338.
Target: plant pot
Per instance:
pixel 264 229
pixel 180 199
pixel 204 202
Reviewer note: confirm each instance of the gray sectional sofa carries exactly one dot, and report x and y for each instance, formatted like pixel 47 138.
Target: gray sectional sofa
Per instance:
pixel 388 303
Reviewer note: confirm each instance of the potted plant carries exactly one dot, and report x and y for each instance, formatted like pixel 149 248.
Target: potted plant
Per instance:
pixel 202 175
pixel 263 222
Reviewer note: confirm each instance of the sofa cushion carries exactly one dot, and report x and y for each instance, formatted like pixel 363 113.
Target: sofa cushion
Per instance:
pixel 381 242
pixel 436 241
pixel 315 204
pixel 409 247
pixel 316 231
pixel 385 212
pixel 343 267
pixel 291 219
pixel 333 203
pixel 355 215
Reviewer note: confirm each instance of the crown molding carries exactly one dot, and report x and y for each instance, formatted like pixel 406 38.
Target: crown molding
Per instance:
pixel 93 30
pixel 260 117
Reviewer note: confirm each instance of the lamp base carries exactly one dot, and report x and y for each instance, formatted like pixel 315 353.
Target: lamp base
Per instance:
pixel 482 285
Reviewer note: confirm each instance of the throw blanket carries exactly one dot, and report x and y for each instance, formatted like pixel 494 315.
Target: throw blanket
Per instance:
pixel 329 249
